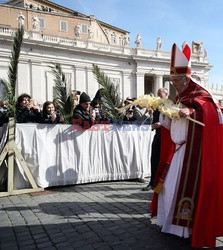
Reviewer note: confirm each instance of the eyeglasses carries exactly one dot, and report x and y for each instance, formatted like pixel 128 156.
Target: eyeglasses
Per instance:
pixel 177 78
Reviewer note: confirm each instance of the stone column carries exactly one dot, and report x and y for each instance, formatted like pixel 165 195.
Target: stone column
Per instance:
pixel 49 85
pixel 25 78
pixel 167 85
pixel 36 76
pixel 125 86
pixel 158 83
pixel 140 89
pixel 81 82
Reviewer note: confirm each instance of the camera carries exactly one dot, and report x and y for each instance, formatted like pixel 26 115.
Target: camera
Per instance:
pixel 3 110
pixel 129 111
pixel 78 92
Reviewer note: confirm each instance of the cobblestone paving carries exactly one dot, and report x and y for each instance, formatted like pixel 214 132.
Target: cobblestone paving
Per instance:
pixel 106 215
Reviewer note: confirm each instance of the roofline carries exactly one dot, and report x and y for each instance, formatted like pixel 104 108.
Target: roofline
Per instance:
pixel 74 12
pixel 55 5
pixel 113 27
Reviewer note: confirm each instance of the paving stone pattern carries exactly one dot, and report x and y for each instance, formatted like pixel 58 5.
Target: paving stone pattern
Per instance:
pixel 106 215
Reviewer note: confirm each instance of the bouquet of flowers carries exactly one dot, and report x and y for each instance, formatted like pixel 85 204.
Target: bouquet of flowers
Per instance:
pixel 165 106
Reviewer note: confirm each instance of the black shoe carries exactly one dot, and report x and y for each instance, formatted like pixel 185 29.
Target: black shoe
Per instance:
pixel 147 188
pixel 141 180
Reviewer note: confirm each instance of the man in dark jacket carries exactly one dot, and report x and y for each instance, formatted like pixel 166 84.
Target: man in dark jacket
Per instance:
pixel 155 155
pixel 81 114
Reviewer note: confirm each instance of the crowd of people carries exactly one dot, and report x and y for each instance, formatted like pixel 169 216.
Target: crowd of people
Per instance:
pixel 86 112
pixel 27 111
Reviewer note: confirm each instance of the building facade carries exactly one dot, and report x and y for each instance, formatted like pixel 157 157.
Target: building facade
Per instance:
pixel 55 34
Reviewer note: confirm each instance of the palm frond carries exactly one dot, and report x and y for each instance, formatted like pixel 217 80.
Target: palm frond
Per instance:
pixel 10 85
pixel 110 96
pixel 62 95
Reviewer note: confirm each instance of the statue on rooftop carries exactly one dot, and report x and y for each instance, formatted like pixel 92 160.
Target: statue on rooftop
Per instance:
pixel 138 41
pixel 36 23
pixel 205 53
pixel 158 43
pixel 126 39
pixel 21 19
pixel 77 30
pixel 90 33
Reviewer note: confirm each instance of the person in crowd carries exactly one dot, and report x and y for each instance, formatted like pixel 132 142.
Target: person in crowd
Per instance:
pixel 82 115
pixel 143 115
pixel 99 96
pixel 128 113
pixel 50 115
pixel 97 105
pixel 3 112
pixel 96 108
pixel 26 110
pixel 75 97
pixel 128 101
pixel 194 176
pixel 155 155
pixel 129 118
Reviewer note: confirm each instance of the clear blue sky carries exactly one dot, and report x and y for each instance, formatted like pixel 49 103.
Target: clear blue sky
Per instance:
pixel 173 20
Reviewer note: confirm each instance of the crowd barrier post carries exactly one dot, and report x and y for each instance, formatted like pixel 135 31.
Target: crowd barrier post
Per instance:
pixel 9 153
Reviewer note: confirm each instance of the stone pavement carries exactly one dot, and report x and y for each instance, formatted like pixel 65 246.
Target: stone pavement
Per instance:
pixel 106 215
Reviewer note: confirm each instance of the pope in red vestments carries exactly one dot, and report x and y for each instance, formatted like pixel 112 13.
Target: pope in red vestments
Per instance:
pixel 197 201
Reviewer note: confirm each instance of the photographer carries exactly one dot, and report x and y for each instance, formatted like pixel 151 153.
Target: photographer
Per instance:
pixel 129 118
pixel 50 115
pixel 97 110
pixel 26 110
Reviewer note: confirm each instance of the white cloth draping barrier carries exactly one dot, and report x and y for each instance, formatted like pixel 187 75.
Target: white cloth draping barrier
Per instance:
pixel 57 155
pixel 3 139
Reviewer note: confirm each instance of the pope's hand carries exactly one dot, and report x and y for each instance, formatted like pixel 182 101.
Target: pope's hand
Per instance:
pixel 156 125
pixel 184 112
